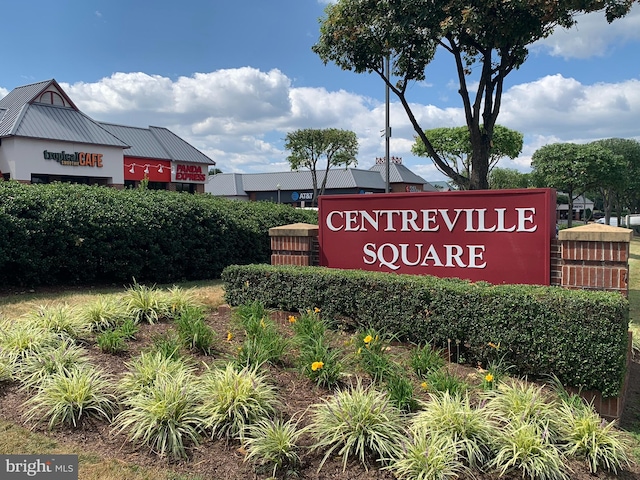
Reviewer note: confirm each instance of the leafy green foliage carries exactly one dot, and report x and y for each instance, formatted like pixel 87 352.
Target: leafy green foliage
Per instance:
pixel 356 422
pixel 61 234
pixel 443 381
pixel 146 304
pixel 425 359
pixel 536 326
pixel 111 341
pixel 105 312
pixel 195 334
pixel 320 362
pixel 264 343
pixel 308 147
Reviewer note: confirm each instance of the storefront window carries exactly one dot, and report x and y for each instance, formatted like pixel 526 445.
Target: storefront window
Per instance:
pixel 186 187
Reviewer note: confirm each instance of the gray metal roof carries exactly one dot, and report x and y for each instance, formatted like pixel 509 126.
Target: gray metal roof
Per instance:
pixel 178 149
pixel 301 180
pixel 13 102
pixel 143 143
pixel 61 123
pixel 398 173
pixel 226 185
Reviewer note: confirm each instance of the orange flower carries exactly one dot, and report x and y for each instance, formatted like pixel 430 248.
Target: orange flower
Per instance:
pixel 316 310
pixel 229 336
pixel 292 319
pixel 317 366
pixel 368 339
pixel 488 377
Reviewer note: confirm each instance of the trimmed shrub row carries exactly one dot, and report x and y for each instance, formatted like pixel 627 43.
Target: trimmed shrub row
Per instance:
pixel 579 336
pixel 78 234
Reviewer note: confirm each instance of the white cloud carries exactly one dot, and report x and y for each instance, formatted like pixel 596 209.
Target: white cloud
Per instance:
pixel 239 117
pixel 592 36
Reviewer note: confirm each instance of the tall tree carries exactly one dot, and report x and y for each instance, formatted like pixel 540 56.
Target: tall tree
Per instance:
pixel 453 144
pixel 310 146
pixel 571 168
pixel 502 178
pixel 622 186
pixel 487 39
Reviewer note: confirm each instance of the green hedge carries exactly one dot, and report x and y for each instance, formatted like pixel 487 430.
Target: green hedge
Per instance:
pixel 579 336
pixel 78 234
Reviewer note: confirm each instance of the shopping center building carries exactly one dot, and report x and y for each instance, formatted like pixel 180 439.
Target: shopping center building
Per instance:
pixel 44 137
pixel 296 188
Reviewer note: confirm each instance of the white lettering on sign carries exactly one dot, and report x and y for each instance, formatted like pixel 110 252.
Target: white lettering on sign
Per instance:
pixel 394 256
pixel 470 219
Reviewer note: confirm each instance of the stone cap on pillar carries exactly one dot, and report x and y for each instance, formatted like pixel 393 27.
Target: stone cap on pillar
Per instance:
pixel 596 232
pixel 295 230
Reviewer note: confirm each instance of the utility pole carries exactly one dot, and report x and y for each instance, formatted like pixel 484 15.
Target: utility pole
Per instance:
pixel 387 128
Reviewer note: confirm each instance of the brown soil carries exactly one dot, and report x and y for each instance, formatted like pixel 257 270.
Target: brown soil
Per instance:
pixel 215 459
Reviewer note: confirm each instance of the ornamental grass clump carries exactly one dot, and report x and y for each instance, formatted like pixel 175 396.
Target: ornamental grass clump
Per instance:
pixel 400 390
pixel 67 398
pixel 273 445
pixel 524 446
pixel 163 416
pixel 308 326
pixel 585 435
pixel 453 417
pixel 104 313
pixel 232 399
pixel 18 339
pixel 63 320
pixel 523 402
pixel 180 299
pixel 251 317
pixel 146 304
pixel 167 345
pixel 40 364
pixel 424 457
pixel 193 331
pixel 356 422
pixel 7 366
pixel 143 371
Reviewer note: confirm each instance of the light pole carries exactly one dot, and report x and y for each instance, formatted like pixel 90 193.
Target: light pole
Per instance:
pixel 278 187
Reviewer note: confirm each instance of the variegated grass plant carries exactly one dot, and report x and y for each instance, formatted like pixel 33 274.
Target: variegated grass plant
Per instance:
pixel 273 443
pixel 179 299
pixel 425 457
pixel 61 319
pixel 163 415
pixel 18 339
pixel 585 435
pixel 105 312
pixel 8 365
pixel 525 446
pixel 454 417
pixel 143 371
pixel 523 402
pixel 146 304
pixel 232 399
pixel 356 422
pixel 193 331
pixel 40 364
pixel 65 399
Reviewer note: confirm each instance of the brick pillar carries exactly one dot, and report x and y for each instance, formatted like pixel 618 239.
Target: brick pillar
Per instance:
pixel 295 244
pixel 595 257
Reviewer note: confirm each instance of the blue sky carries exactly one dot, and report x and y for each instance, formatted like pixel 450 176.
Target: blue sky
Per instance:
pixel 232 77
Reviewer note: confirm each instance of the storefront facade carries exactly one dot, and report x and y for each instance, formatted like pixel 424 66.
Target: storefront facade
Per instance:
pixel 45 138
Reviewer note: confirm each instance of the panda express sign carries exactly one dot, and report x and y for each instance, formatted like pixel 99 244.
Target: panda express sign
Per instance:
pixel 499 236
